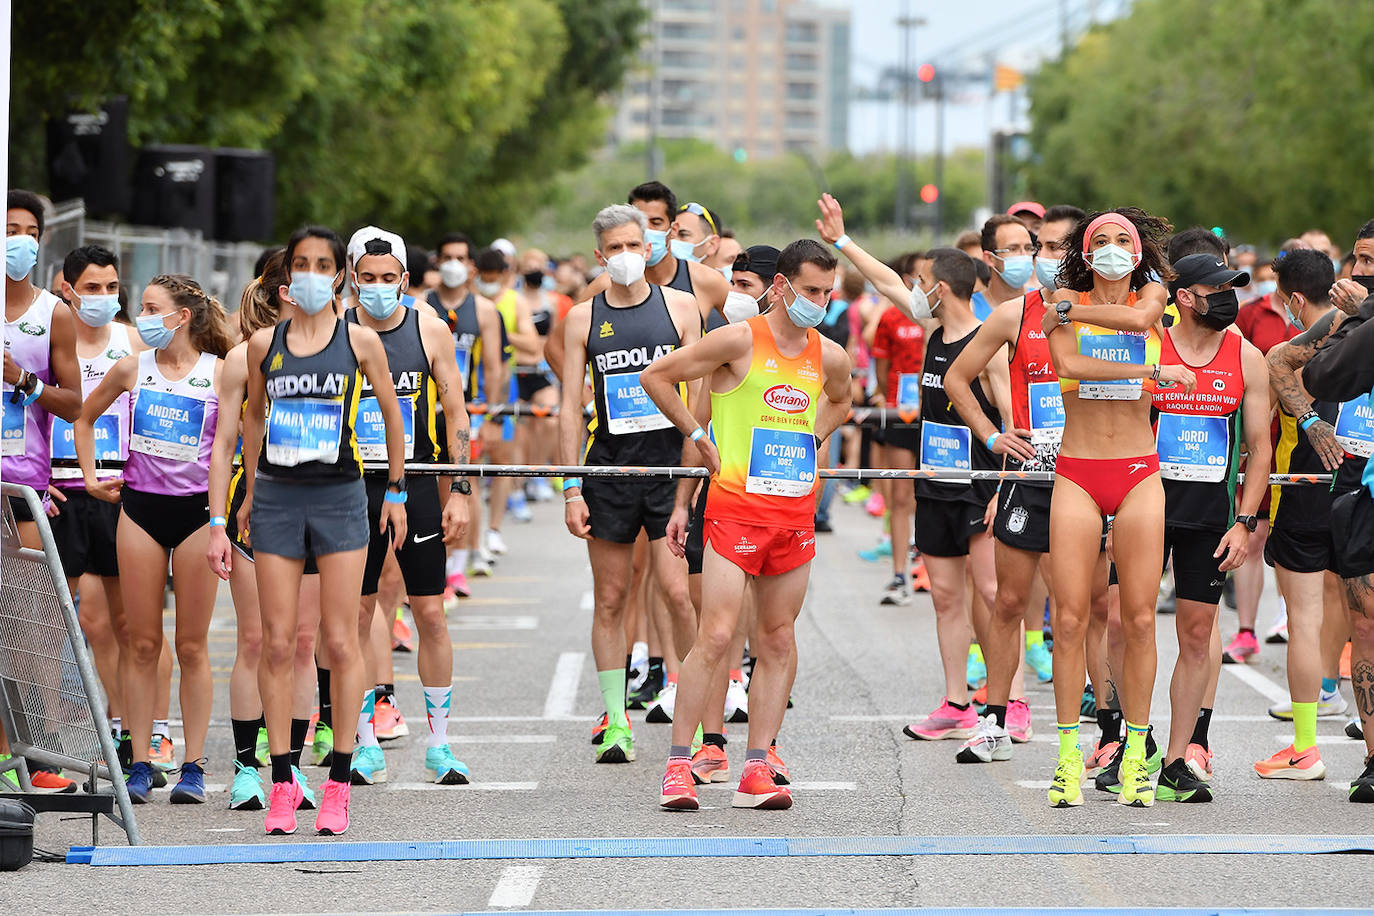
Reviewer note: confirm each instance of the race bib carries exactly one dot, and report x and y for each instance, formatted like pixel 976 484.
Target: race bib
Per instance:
pixel 1193 448
pixel 782 462
pixel 944 448
pixel 370 428
pixel 909 391
pixel 628 408
pixel 107 441
pixel 1355 427
pixel 1046 412
pixel 167 425
pixel 1115 348
pixel 464 355
pixel 13 441
pixel 304 429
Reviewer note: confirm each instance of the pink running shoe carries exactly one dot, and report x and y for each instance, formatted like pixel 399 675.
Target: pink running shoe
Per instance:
pixel 1019 722
pixel 282 803
pixel 332 819
pixel 875 505
pixel 1240 649
pixel 458 583
pixel 1101 756
pixel 1198 759
pixel 947 721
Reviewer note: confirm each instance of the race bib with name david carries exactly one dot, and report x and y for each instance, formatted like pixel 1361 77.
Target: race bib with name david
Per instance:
pixel 782 462
pixel 370 428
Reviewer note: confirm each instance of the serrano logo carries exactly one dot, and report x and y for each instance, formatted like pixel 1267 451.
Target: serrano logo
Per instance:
pixel 787 399
pixel 1219 384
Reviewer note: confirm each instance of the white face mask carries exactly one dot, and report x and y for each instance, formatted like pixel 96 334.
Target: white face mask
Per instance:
pixel 626 268
pixel 740 307
pixel 920 304
pixel 489 290
pixel 1112 262
pixel 453 273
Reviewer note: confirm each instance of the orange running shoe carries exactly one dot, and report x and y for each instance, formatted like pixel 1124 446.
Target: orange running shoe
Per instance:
pixel 1199 761
pixel 160 753
pixel 50 783
pixel 758 790
pixel 780 774
pixel 389 723
pixel 710 764
pixel 599 729
pixel 401 635
pixel 1101 756
pixel 920 579
pixel 679 787
pixel 1289 764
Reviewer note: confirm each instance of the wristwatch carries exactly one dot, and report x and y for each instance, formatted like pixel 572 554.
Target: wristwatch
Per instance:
pixel 1251 522
pixel 1062 308
pixel 461 485
pixel 398 485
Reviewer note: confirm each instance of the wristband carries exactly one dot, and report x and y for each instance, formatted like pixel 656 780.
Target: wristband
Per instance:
pixel 394 497
pixel 991 439
pixel 217 522
pixel 841 242
pixel 571 482
pixel 37 390
pixel 697 434
pixel 576 498
pixel 1306 422
pixel 1155 375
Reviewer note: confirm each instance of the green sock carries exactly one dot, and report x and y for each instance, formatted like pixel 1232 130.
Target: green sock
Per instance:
pixel 1035 638
pixel 613 693
pixel 1304 726
pixel 1135 740
pixel 1068 738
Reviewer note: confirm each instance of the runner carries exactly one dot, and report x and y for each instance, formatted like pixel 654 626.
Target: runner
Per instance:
pixel 536 437
pixel 424 371
pixel 307 498
pixel 695 238
pixel 614 335
pixel 494 281
pixel 778 389
pixel 173 390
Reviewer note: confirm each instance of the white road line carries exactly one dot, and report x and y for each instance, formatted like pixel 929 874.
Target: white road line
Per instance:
pixel 210 787
pixel 492 622
pixel 563 691
pixel 1033 783
pixel 824 786
pixel 516 885
pixel 475 787
pixel 503 739
pixel 1262 685
pixel 503 719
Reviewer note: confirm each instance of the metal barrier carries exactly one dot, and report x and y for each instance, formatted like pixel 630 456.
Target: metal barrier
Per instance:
pixel 50 700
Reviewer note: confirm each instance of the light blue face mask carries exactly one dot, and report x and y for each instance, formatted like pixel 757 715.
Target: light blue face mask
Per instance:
pixel 729 273
pixel 803 312
pixel 379 299
pixel 1016 270
pixel 312 292
pixel 1047 271
pixel 548 284
pixel 21 253
pixel 96 311
pixel 154 331
pixel 658 245
pixel 683 250
pixel 1292 319
pixel 1264 288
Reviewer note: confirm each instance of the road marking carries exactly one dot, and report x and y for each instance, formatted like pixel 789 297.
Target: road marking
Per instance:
pixel 824 786
pixel 588 602
pixel 225 829
pixel 1262 685
pixel 497 720
pixel 516 885
pixel 474 787
pixel 493 622
pixel 489 601
pixel 503 739
pixel 1033 783
pixel 563 691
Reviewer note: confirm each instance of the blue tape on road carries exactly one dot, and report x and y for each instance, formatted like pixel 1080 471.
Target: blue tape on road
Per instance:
pixel 718 847
pixel 944 911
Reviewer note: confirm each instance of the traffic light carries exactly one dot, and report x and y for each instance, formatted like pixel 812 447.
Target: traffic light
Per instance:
pixel 929 193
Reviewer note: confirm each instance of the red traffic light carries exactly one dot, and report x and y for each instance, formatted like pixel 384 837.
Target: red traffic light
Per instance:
pixel 925 73
pixel 929 193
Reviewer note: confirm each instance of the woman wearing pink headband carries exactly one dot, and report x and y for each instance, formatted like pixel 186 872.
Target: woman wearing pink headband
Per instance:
pixel 1104 337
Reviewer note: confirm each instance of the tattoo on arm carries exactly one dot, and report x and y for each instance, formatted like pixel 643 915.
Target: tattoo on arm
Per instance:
pixel 461 455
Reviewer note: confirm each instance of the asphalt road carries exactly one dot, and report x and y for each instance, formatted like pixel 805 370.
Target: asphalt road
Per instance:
pixel 865 671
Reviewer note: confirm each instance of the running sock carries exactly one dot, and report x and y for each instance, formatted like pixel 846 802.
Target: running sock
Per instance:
pixel 613 693
pixel 999 711
pixel 713 739
pixel 162 727
pixel 1204 721
pixel 1250 630
pixel 115 725
pixel 1068 738
pixel 1035 638
pixel 1109 724
pixel 438 701
pixel 281 768
pixel 1329 684
pixel 367 733
pixel 299 728
pixel 326 699
pixel 245 732
pixel 457 562
pixel 1135 740
pixel 755 753
pixel 976 651
pixel 959 706
pixel 341 766
pixel 737 674
pixel 1304 726
pixel 679 752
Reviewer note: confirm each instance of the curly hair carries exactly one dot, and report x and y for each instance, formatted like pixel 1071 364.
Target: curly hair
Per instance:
pixel 260 305
pixel 209 328
pixel 1076 274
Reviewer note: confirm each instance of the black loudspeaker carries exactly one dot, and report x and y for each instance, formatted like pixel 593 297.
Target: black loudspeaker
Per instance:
pixel 174 187
pixel 88 157
pixel 245 195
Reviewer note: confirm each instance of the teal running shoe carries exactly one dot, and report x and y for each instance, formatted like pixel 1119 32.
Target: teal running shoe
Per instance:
pixel 447 769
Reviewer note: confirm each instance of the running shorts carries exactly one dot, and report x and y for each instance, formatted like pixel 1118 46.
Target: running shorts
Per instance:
pixel 1197 574
pixel 84 530
pixel 169 520
pixel 1023 516
pixel 1300 551
pixel 1352 531
pixel 231 523
pixel 761 550
pixel 619 507
pixel 299 520
pixel 421 557
pixel 696 530
pixel 945 527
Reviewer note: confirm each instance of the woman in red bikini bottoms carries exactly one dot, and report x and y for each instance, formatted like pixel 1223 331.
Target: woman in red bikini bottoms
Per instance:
pixel 1104 337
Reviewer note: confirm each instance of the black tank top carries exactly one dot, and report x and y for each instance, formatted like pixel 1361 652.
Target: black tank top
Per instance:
pixel 628 427
pixel 467 339
pixel 312 405
pixel 682 279
pixel 415 388
pixel 946 441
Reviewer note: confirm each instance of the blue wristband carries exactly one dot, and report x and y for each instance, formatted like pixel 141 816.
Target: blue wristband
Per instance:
pixel 991 439
pixel 842 241
pixel 393 497
pixel 1305 424
pixel 697 434
pixel 571 482
pixel 217 522
pixel 37 390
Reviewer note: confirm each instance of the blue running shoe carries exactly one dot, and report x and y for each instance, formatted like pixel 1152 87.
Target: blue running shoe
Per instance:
pixel 307 796
pixel 881 552
pixel 140 782
pixel 369 766
pixel 447 769
pixel 190 788
pixel 976 671
pixel 1038 657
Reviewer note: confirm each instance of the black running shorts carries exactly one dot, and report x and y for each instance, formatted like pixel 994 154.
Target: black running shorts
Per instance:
pixel 421 557
pixel 1023 516
pixel 944 528
pixel 620 507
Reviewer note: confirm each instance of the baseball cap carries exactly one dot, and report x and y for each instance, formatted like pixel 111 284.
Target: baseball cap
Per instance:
pixel 1207 269
pixel 396 246
pixel 505 246
pixel 1026 206
pixel 758 259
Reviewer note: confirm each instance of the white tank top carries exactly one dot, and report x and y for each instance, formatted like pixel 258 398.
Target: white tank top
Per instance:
pixel 111 428
pixel 172 429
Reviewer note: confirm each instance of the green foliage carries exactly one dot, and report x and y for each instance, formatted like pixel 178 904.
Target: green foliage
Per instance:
pixel 1242 113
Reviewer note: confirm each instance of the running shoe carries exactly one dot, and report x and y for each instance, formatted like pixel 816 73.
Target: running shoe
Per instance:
pixel 307 796
pixel 880 551
pixel 947 721
pixel 1354 729
pixel 980 698
pixel 519 508
pixel 1241 649
pixel 1019 722
pixel 160 751
pixel 896 592
pixel 448 770
pixel 1289 764
pixel 638 675
pixel 758 789
pixel 322 749
pixel 332 819
pixel 458 584
pixel 661 712
pixel 402 639
pixel 1362 788
pixel 1087 706
pixel 618 745
pixel 261 751
pixel 875 506
pixel 1038 657
pixel 1154 756
pixel 247 792
pixel 539 490
pixel 494 543
pixel 190 788
pixel 642 696
pixel 1199 761
pixel 479 567
pixel 975 670
pixel 1136 791
pixel 1329 706
pixel 389 722
pixel 710 764
pixel 736 703
pixel 1066 789
pixel 369 766
pixel 679 791
pixel 823 526
pixel 8 783
pixel 1101 756
pixel 1178 783
pixel 990 742
pixel 920 578
pixel 599 729
pixel 139 782
pixel 282 801
pixel 1108 778
pixel 1344 672
pixel 49 782
pixel 858 494
pixel 780 774
pixel 1277 634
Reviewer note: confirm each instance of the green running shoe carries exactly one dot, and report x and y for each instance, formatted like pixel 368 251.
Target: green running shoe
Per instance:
pixel 1154 757
pixel 1136 790
pixel 247 792
pixel 617 745
pixel 1038 657
pixel 448 770
pixel 1066 789
pixel 322 748
pixel 8 781
pixel 857 494
pixel 263 755
pixel 1178 784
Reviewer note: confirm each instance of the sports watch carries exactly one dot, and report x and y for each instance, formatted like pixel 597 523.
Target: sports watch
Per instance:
pixel 1062 308
pixel 461 485
pixel 1251 522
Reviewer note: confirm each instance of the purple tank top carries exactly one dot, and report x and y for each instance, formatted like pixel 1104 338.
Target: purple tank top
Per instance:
pixel 24 455
pixel 172 429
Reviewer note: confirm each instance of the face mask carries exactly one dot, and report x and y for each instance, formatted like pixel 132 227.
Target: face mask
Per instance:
pixel 548 284
pixel 728 273
pixel 1292 319
pixel 98 311
pixel 311 292
pixel 534 279
pixel 1366 282
pixel 684 250
pixel 803 312
pixel 1047 271
pixel 490 290
pixel 625 268
pixel 21 253
pixel 919 301
pixel 453 274
pixel 1222 308
pixel 740 307
pixel 658 244
pixel 154 331
pixel 1016 270
pixel 1265 288
pixel 1112 262
pixel 379 299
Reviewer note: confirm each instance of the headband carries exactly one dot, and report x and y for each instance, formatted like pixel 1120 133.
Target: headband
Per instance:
pixel 1111 216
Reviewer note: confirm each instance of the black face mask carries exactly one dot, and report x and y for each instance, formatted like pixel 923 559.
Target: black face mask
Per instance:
pixel 1366 282
pixel 1222 309
pixel 533 279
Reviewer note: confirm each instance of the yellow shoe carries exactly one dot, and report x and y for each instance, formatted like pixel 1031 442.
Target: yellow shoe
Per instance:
pixel 1136 790
pixel 1066 790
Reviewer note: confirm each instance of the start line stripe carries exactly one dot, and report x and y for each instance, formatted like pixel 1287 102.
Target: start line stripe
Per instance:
pixel 718 847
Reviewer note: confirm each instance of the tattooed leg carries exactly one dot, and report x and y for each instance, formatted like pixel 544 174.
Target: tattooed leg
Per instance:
pixel 1360 594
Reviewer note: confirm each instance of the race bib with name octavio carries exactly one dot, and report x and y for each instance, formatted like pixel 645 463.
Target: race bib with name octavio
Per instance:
pixel 167 425
pixel 107 441
pixel 909 391
pixel 370 428
pixel 1114 348
pixel 1046 403
pixel 944 447
pixel 782 462
pixel 13 441
pixel 1192 447
pixel 304 429
pixel 1355 427
pixel 628 408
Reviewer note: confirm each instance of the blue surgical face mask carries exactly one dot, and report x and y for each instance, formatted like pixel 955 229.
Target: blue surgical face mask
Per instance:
pixel 1016 270
pixel 728 272
pixel 1264 288
pixel 684 250
pixel 1292 318
pixel 1112 262
pixel 1047 270
pixel 379 299
pixel 548 284
pixel 803 312
pixel 96 311
pixel 312 292
pixel 658 245
pixel 21 253
pixel 154 331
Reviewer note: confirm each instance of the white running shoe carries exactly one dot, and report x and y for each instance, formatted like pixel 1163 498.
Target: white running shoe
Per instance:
pixel 896 593
pixel 661 710
pixel 480 566
pixel 736 703
pixel 1278 633
pixel 495 543
pixel 1329 706
pixel 539 490
pixel 989 742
